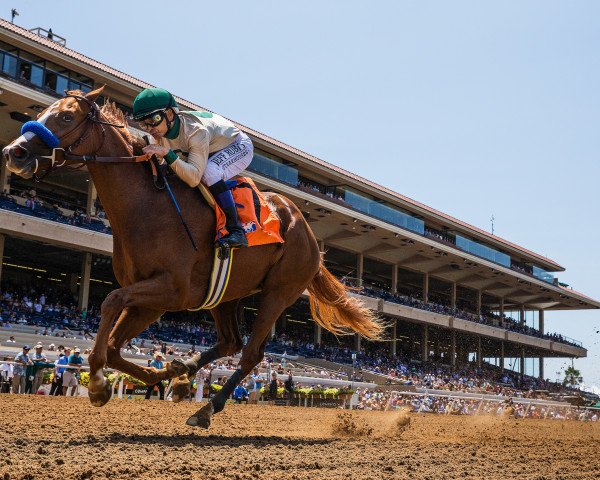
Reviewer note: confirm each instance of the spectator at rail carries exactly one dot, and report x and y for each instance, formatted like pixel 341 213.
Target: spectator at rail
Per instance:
pixel 71 375
pixel 22 360
pixel 201 377
pixel 273 385
pixel 57 377
pixel 240 394
pixel 257 383
pixel 38 357
pixel 157 363
pixel 6 375
pixel 289 385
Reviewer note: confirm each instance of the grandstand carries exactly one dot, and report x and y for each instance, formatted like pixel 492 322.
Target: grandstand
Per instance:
pixel 451 292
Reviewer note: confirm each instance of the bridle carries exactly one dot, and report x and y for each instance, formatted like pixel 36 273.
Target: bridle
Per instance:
pixel 64 156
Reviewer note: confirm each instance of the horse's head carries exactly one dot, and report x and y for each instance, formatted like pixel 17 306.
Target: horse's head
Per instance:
pixel 63 124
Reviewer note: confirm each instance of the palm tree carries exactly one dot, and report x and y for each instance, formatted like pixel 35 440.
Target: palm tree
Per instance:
pixel 572 377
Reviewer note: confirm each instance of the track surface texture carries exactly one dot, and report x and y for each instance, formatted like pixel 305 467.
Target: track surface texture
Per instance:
pixel 58 438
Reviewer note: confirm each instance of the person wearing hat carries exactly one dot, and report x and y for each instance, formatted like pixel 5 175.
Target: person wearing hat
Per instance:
pixel 199 147
pixel 56 387
pixel 38 357
pixel 157 363
pixel 21 361
pixel 70 374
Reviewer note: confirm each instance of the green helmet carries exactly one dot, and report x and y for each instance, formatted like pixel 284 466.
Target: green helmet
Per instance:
pixel 152 100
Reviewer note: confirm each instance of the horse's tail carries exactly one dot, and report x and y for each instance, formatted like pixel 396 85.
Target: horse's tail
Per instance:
pixel 339 313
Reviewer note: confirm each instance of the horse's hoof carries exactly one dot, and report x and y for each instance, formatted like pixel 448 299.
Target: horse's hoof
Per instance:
pixel 181 389
pixel 100 396
pixel 202 417
pixel 176 368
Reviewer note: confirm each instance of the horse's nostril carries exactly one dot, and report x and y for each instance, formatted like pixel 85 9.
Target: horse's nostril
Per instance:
pixel 18 152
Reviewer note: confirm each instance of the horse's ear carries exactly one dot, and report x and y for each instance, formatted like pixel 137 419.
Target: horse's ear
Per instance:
pixel 94 94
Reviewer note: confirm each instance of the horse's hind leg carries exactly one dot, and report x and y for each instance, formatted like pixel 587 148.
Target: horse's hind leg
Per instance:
pixel 228 343
pixel 271 307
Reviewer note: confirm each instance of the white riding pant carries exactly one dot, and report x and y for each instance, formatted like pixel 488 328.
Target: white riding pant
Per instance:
pixel 230 161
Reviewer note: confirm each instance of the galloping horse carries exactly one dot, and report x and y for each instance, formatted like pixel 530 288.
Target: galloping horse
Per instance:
pixel 156 266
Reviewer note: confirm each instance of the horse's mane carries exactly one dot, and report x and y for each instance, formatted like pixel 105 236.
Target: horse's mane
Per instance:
pixel 115 115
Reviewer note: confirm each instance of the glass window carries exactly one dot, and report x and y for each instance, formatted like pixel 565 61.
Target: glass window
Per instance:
pixel 9 65
pixel 543 274
pixel 482 251
pixel 272 168
pixel 37 75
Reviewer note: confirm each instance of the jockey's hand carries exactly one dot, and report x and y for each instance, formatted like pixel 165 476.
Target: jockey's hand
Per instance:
pixel 157 150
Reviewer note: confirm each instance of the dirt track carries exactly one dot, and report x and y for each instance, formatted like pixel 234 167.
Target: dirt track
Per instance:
pixel 52 438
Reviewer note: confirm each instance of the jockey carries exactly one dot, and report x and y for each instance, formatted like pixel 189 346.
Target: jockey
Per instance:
pixel 198 146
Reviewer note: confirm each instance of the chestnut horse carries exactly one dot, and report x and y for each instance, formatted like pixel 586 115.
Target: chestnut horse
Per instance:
pixel 155 264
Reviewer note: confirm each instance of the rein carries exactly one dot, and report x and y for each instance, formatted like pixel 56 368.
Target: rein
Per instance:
pixel 61 157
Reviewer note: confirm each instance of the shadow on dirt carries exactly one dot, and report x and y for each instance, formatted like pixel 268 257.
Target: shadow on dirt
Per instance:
pixel 197 440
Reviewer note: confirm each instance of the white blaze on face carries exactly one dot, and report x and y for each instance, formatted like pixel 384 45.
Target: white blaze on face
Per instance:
pixel 29 135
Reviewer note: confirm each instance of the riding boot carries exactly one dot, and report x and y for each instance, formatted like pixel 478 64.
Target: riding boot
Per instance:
pixel 236 237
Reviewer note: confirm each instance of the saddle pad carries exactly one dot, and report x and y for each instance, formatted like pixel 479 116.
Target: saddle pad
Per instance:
pixel 259 221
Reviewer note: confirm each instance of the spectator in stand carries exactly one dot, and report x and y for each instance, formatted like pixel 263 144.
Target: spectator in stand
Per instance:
pixel 157 363
pixel 70 375
pixel 22 360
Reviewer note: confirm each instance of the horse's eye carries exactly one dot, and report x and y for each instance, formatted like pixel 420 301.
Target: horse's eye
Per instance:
pixel 67 117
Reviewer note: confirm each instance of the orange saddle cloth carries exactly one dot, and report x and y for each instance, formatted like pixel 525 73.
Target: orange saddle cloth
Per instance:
pixel 258 220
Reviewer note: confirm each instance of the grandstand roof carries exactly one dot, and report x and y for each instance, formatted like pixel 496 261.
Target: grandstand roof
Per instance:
pixel 349 176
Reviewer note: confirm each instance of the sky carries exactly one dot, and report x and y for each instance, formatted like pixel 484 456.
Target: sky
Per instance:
pixel 473 108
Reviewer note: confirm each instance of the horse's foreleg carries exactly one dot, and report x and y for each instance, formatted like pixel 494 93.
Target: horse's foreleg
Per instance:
pixel 153 294
pixel 133 322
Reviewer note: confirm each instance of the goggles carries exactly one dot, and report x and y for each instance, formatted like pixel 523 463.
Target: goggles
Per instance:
pixel 152 120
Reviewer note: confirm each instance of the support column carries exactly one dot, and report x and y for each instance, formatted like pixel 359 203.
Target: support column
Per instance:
pixel 425 344
pixel 1 254
pixel 425 287
pixel 318 331
pixel 92 195
pixel 453 295
pixel 502 355
pixel 522 363
pixel 522 315
pixel 541 327
pixel 394 337
pixel 453 349
pixel 501 311
pixel 478 302
pixel 479 352
pixel 84 285
pixel 394 279
pixel 357 342
pixel 359 268
pixel 4 177
pixel 274 330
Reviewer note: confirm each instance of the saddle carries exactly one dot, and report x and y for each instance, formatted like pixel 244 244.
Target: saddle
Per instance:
pixel 260 223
